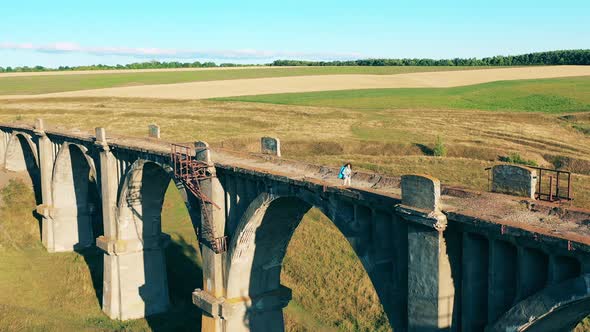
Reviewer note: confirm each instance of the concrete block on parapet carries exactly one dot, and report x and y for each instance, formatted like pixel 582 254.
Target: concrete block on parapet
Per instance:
pixel 154 131
pixel 421 191
pixel 202 152
pixel 270 145
pixel 514 180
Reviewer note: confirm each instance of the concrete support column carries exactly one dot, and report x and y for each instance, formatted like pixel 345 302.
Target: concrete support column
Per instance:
pixel 532 272
pixel 501 278
pixel 430 285
pixel 135 277
pixel 135 282
pixel 474 287
pixel 431 292
pixel 212 262
pixel 400 274
pixel 45 154
pixel 111 297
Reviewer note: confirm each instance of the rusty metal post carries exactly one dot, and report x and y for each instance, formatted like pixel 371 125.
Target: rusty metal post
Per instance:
pixel 569 186
pixel 540 191
pixel 557 186
pixel 550 188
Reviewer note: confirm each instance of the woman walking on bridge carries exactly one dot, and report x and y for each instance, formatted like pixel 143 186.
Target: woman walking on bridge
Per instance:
pixel 346 174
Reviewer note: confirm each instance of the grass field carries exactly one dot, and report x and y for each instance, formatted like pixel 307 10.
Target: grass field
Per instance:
pixel 393 132
pixel 17 85
pixel 546 95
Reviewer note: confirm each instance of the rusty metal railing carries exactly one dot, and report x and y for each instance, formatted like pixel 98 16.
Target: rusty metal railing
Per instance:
pixel 553 185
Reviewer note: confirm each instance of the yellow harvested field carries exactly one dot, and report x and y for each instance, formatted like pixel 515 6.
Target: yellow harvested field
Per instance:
pixel 243 87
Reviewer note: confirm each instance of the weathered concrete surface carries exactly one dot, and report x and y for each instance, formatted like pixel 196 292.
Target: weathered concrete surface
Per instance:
pixel 556 308
pixel 270 145
pixel 212 263
pixel 154 131
pixel 421 191
pixel 431 292
pixel 514 180
pixel 430 284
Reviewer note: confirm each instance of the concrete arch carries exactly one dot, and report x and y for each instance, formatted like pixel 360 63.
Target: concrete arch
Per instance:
pixel 559 307
pixel 256 252
pixel 21 155
pixel 143 288
pixel 140 201
pixel 75 199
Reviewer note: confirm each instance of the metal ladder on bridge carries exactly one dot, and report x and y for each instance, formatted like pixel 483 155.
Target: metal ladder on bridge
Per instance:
pixel 191 172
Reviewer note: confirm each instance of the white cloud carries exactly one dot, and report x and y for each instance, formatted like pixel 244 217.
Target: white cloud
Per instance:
pixel 243 54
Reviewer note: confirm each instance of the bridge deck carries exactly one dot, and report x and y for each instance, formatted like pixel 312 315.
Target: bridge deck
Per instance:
pixel 489 209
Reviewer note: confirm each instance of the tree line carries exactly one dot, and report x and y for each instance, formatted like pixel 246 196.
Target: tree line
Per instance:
pixel 564 57
pixel 135 65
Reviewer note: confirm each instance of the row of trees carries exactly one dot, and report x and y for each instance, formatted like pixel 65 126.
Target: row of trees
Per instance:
pixel 565 57
pixel 136 65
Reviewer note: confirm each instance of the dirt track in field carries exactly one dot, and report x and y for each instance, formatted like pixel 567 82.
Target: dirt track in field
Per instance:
pixel 242 87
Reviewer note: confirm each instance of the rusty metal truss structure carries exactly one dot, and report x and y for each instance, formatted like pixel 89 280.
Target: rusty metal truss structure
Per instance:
pixel 191 172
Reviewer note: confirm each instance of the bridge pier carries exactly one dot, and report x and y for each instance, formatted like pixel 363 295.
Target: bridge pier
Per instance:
pixel 135 281
pixel 134 277
pixel 431 291
pixel 213 268
pixel 45 152
pixel 109 179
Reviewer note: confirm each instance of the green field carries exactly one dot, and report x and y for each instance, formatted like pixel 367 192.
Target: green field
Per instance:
pixel 543 95
pixel 24 85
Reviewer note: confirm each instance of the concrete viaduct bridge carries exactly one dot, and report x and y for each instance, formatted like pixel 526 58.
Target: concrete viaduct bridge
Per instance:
pixel 463 261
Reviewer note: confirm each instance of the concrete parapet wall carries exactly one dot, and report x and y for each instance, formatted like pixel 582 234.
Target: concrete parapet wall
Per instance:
pixel 514 180
pixel 421 191
pixel 270 145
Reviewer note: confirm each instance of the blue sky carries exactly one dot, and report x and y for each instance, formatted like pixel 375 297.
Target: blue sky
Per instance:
pixel 53 33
